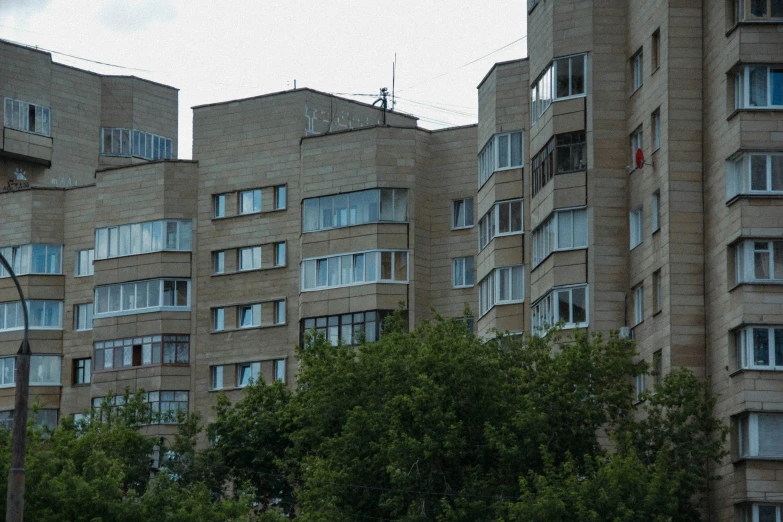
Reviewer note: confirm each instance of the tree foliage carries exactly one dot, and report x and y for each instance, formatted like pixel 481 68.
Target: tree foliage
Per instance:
pixel 437 424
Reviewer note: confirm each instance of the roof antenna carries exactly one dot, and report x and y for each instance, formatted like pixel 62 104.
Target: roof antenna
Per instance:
pixel 384 102
pixel 394 75
pixel 294 83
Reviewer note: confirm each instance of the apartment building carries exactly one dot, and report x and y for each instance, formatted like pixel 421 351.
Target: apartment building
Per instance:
pixel 625 176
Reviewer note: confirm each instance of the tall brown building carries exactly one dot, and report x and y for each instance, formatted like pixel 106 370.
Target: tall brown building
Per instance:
pixel 625 176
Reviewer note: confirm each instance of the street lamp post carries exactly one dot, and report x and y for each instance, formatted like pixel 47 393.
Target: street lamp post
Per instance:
pixel 16 475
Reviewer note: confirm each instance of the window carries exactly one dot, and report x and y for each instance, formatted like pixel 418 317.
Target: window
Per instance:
pixel 760 348
pixel 502 151
pixel 250 201
pixel 750 10
pixel 754 173
pixel 543 166
pixel 639 387
pixel 142 297
pixel 249 316
pixel 638 304
pixel 655 212
pixel 759 261
pixel 656 49
pixel 279 312
pixel 656 128
pixel 636 220
pixel 658 368
pixel 82 371
pixel 27 117
pixel 280 370
pixel 249 258
pixel 218 319
pixel 637 141
pixel 462 213
pixel 45 370
pixel 82 317
pixel 219 205
pixel 280 197
pixel 657 293
pixel 570 152
pixel 355 208
pixel 165 406
pixel 637 70
pixel 756 512
pixel 759 435
pixel 373 266
pixel 759 87
pixel 504 285
pixel 42 419
pixel 462 272
pixel 84 263
pixel 567 305
pixel 504 218
pixel 7 371
pixel 142 238
pixel 563 230
pixel 248 373
pixel 280 254
pixel 133 142
pixel 33 259
pixel 563 78
pixel 43 315
pixel 142 351
pixel 216 377
pixel 347 328
pixel 470 322
pixel 218 262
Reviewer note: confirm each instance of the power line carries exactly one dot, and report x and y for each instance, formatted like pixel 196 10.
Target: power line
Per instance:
pixel 76 57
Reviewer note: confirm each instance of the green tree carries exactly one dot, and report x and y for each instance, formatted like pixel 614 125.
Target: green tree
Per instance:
pixel 437 424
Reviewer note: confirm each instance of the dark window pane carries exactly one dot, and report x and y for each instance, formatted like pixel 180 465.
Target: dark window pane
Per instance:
pixel 761 346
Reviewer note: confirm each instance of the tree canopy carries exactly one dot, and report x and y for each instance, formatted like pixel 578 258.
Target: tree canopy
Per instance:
pixel 437 424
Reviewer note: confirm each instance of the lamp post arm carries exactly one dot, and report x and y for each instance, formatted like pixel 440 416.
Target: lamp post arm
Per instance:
pixel 16 475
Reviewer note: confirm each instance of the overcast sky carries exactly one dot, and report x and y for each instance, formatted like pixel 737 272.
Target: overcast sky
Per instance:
pixel 221 50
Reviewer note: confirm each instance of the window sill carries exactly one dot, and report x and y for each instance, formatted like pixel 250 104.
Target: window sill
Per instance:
pixel 637 245
pixel 379 282
pixel 553 252
pixel 462 287
pixel 142 311
pixel 775 109
pixel 503 303
pixel 633 93
pixel 83 330
pixel 33 329
pixel 29 132
pixel 765 370
pixel 384 222
pixel 83 275
pixel 741 460
pixel 658 312
pixel 763 21
pixel 263 269
pixel 246 328
pixel 757 195
pixel 455 229
pixel 139 367
pixel 142 254
pixel 260 212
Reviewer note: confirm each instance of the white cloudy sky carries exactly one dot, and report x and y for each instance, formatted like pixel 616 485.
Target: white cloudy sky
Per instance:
pixel 220 50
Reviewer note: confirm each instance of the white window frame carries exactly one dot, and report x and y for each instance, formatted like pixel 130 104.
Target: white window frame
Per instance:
pixel 135 143
pixel 248 258
pixel 256 204
pixel 638 304
pixel 280 253
pixel 121 288
pixel 280 312
pixel 489 159
pixel 490 290
pixel 52 315
pixel 745 344
pixel 658 289
pixel 739 173
pixel 216 374
pixel 281 192
pixel 545 311
pixel 7 372
pixel 742 90
pixel 636 226
pixel 16 116
pixel 255 315
pixel 82 317
pixel 742 13
pixel 637 69
pixel 279 370
pixel 637 142
pixel 354 215
pixel 749 443
pixel 489 224
pixel 543 92
pixel 639 387
pixel 218 205
pixel 656 128
pixel 370 258
pixel 547 237
pixel 218 319
pixel 37 378
pixel 83 263
pixel 462 213
pixel 746 260
pixel 22 259
pixel 254 375
pixel 655 212
pixel 219 262
pixel 463 273
pixel 143 238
